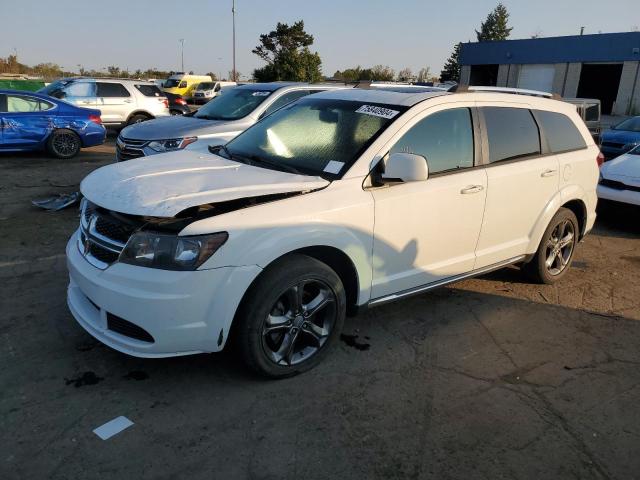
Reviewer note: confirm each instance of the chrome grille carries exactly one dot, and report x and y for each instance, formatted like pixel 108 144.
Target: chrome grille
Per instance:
pixel 129 148
pixel 102 236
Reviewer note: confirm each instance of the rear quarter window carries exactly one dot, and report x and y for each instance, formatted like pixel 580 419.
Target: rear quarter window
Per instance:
pixel 561 133
pixel 149 90
pixel 512 133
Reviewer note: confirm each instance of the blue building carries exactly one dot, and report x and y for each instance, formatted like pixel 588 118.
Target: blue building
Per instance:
pixel 604 66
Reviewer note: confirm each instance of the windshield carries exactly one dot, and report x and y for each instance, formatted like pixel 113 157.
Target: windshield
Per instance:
pixel 234 104
pixel 52 87
pixel 630 124
pixel 313 136
pixel 172 82
pixel 205 86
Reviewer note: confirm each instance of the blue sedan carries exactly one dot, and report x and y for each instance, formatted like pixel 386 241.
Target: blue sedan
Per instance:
pixel 32 121
pixel 621 138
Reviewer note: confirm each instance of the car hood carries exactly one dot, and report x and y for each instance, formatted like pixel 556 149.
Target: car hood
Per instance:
pixel 625 168
pixel 174 127
pixel 620 136
pixel 166 184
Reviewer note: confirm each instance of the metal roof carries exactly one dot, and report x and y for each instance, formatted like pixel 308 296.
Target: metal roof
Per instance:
pixel 378 95
pixel 604 47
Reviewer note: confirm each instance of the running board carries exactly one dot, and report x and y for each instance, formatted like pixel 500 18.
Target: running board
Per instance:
pixel 439 283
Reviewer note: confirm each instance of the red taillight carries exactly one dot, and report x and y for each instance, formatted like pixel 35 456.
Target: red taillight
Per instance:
pixel 166 103
pixel 181 101
pixel 95 119
pixel 600 159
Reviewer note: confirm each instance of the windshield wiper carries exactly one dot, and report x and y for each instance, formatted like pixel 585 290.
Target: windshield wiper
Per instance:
pixel 207 117
pixel 276 165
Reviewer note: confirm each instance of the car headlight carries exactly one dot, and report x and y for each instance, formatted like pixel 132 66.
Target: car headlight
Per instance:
pixel 171 144
pixel 171 252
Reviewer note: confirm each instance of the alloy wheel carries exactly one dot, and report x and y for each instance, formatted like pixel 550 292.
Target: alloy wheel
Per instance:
pixel 560 247
pixel 299 323
pixel 65 144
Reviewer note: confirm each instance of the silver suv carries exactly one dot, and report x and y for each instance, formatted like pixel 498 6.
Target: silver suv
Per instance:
pixel 217 122
pixel 121 102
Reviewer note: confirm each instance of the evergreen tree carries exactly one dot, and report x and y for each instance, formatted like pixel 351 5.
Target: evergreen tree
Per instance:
pixel 495 26
pixel 451 70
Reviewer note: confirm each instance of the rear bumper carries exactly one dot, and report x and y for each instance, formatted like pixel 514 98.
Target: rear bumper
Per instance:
pixel 623 196
pixel 184 312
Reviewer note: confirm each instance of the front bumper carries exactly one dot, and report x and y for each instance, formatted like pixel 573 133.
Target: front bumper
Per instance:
pixel 184 312
pixel 623 196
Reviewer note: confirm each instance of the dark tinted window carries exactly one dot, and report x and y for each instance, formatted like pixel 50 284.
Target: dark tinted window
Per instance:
pixel 512 133
pixel 444 138
pixel 112 90
pixel 284 99
pixel 561 133
pixel 150 90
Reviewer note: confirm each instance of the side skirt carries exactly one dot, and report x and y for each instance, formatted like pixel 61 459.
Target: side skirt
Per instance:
pixel 445 281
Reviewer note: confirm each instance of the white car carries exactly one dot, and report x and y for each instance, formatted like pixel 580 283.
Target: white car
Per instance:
pixel 620 178
pixel 339 201
pixel 205 91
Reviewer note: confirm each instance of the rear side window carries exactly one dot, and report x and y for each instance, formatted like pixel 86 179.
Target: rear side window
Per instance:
pixel 112 90
pixel 444 138
pixel 24 104
pixel 560 132
pixel 512 133
pixel 149 90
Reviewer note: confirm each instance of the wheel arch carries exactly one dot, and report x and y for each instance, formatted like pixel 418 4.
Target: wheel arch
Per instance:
pixel 139 112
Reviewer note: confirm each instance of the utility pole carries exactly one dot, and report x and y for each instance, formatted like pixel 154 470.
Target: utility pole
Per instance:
pixel 182 53
pixel 581 30
pixel 233 14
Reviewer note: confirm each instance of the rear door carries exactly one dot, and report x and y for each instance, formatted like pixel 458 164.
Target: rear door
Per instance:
pixel 114 101
pixel 522 179
pixel 26 120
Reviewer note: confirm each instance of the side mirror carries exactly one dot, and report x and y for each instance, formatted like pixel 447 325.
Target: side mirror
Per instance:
pixel 405 167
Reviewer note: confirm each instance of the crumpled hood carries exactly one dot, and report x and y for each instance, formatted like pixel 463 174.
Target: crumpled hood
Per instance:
pixel 166 184
pixel 620 136
pixel 176 126
pixel 625 168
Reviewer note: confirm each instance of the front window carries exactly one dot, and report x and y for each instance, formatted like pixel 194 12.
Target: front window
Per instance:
pixel 205 86
pixel 234 104
pixel 171 83
pixel 630 125
pixel 313 136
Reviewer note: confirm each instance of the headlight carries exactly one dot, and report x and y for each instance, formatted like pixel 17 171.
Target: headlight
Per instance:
pixel 171 144
pixel 171 252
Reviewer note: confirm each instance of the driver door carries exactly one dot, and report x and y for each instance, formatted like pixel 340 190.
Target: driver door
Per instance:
pixel 428 230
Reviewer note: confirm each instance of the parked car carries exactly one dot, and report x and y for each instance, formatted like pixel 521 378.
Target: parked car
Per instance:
pixel 121 102
pixel 621 138
pixel 183 84
pixel 620 178
pixel 339 201
pixel 206 91
pixel 215 123
pixel 32 121
pixel 590 111
pixel 177 104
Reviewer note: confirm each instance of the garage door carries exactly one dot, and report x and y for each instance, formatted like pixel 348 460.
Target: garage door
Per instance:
pixel 536 77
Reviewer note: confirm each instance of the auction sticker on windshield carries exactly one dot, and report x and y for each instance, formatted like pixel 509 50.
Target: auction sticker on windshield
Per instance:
pixel 377 111
pixel 261 94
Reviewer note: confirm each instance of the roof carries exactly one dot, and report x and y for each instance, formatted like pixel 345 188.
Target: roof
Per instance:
pixel 604 47
pixel 271 86
pixel 378 95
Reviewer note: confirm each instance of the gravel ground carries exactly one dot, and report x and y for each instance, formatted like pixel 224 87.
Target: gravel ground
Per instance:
pixel 488 378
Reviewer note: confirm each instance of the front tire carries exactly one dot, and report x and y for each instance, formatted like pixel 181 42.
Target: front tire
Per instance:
pixel 555 252
pixel 138 118
pixel 64 143
pixel 290 317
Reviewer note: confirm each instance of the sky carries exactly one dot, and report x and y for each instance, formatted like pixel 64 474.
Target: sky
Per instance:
pixel 399 33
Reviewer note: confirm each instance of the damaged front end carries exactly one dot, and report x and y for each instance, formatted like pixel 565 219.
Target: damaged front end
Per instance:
pixel 106 237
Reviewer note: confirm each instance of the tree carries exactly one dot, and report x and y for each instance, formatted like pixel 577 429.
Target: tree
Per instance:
pixel 286 51
pixel 451 70
pixel 382 73
pixel 235 76
pixel 495 26
pixel 213 76
pixel 423 75
pixel 405 75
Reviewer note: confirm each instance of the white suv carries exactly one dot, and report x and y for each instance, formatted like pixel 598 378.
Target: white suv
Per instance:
pixel 341 200
pixel 121 102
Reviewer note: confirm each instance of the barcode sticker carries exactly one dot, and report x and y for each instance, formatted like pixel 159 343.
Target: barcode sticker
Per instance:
pixel 333 167
pixel 260 93
pixel 377 111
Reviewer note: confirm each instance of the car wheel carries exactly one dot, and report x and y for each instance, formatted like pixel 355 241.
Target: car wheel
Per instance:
pixel 555 252
pixel 138 118
pixel 291 317
pixel 64 143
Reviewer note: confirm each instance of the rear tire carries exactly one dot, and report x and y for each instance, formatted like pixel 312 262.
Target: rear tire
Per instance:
pixel 290 317
pixel 138 118
pixel 555 252
pixel 64 143
pixel 175 112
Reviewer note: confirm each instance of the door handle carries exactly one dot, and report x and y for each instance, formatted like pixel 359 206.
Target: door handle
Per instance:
pixel 548 173
pixel 128 101
pixel 472 189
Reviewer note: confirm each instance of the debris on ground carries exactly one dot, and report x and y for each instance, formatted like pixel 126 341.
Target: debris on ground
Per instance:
pixel 58 202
